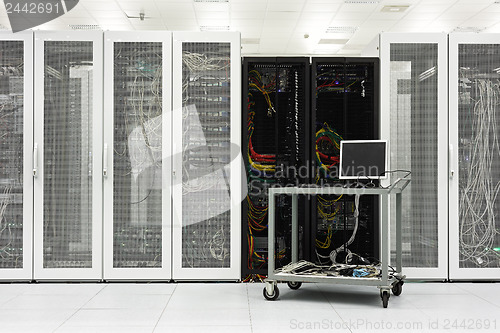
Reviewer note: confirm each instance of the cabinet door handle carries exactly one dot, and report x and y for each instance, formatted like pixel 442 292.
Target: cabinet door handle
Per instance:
pixel 105 161
pixel 450 160
pixel 35 159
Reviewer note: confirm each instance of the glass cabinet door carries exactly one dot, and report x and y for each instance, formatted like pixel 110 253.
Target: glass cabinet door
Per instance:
pixel 206 161
pixel 414 74
pixel 137 149
pixel 16 182
pixel 475 162
pixel 68 140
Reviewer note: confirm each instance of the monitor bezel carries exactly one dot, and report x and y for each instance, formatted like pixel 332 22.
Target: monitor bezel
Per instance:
pixel 365 177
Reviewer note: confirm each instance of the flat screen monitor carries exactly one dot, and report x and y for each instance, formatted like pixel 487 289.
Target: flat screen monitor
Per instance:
pixel 363 159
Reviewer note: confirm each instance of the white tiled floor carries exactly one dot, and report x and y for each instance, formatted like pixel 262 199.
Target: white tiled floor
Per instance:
pixel 241 308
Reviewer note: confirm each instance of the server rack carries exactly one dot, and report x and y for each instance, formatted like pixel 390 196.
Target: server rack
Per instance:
pixel 67 166
pixel 276 104
pixel 344 107
pixel 137 155
pixel 414 73
pixel 474 175
pixel 16 182
pixel 206 156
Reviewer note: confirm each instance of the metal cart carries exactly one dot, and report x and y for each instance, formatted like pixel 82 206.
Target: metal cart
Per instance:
pixel 385 282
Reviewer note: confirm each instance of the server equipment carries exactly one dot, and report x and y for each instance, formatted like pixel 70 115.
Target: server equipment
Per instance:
pixel 344 107
pixel 275 132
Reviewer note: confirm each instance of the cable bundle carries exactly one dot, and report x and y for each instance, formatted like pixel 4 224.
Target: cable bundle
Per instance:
pixel 327 148
pixel 479 184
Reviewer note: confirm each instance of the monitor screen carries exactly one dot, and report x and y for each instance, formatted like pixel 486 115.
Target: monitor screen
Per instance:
pixel 363 159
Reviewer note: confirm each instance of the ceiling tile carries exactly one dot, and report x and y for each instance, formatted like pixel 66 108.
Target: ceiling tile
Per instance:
pixel 258 7
pixel 495 8
pixel 249 49
pixel 487 15
pixel 281 25
pixel 137 7
pixel 212 22
pixel 105 14
pixel 354 16
pixel 188 15
pixel 177 22
pixel 174 6
pixel 250 34
pixel 109 22
pixel 479 23
pixel 211 6
pixel 283 6
pixel 317 16
pixel 289 16
pixel 410 25
pixel 444 26
pixel 467 8
pixel 415 15
pixel 355 7
pixel 78 20
pixel 101 5
pixel 212 15
pixel 326 7
pixel 447 16
pixel 386 16
pixel 247 15
pixel 494 29
pixel 257 23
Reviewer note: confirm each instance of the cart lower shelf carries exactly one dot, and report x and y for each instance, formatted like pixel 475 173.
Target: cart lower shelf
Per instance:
pixel 294 281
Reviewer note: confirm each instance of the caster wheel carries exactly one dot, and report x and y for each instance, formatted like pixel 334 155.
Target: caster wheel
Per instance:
pixel 272 297
pixel 385 298
pixel 294 285
pixel 397 289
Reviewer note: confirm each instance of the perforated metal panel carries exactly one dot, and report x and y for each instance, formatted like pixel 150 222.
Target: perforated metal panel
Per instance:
pixel 67 157
pixel 414 147
pixel 11 154
pixel 479 155
pixel 205 154
pixel 137 154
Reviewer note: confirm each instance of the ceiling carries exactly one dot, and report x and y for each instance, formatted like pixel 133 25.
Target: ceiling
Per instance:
pixel 285 27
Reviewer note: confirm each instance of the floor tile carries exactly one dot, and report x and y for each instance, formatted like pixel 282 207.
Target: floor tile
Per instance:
pixel 384 319
pixel 63 288
pixel 127 301
pixel 487 291
pixel 432 288
pixel 211 295
pixel 205 317
pixel 277 320
pixel 204 329
pixel 29 319
pixel 359 297
pixel 308 296
pixel 139 288
pixel 38 301
pixel 115 317
pixel 104 329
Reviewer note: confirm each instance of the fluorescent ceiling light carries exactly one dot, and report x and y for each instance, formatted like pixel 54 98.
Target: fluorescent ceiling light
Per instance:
pixel 361 2
pixel 394 9
pixel 250 41
pixel 341 30
pixel 214 1
pixel 333 41
pixel 214 27
pixel 468 29
pixel 85 27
